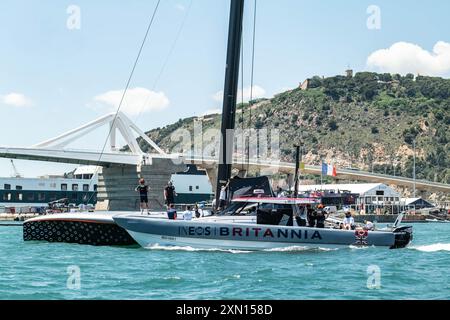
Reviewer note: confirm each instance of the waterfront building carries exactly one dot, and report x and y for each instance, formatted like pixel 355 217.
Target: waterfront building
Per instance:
pixel 374 198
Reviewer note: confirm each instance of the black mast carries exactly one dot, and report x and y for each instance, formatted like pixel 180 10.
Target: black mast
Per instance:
pixel 230 94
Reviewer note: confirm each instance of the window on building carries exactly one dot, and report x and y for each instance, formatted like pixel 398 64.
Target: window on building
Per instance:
pixel 53 185
pixel 53 197
pixel 20 196
pixel 85 187
pixel 197 188
pixel 75 187
pixel 30 197
pixel 78 176
pixel 7 186
pixel 74 197
pixel 190 188
pixel 7 197
pixel 380 193
pixel 64 187
pixel 41 197
pixel 19 188
pixel 95 187
pixel 380 199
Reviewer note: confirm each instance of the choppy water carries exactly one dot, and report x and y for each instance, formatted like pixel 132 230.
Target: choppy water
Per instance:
pixel 40 271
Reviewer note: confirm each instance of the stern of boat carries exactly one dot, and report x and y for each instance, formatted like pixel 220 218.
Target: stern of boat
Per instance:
pixel 403 237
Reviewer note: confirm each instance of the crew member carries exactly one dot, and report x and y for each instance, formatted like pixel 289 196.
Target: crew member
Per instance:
pixel 369 226
pixel 312 217
pixel 172 213
pixel 188 214
pixel 302 218
pixel 143 190
pixel 349 221
pixel 169 194
pixel 321 216
pixel 197 211
pixel 223 197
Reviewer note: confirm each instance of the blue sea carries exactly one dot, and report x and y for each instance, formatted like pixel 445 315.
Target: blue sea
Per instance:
pixel 33 270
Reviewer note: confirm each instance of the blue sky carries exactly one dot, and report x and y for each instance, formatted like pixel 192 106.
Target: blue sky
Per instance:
pixel 53 79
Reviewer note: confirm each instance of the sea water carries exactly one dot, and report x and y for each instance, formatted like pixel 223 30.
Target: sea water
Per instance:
pixel 39 270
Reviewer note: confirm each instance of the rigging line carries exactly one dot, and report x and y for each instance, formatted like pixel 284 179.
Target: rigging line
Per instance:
pixel 242 95
pixel 252 81
pixel 125 91
pixel 169 55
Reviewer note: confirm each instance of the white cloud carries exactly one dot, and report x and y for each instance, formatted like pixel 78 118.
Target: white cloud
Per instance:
pixel 404 57
pixel 137 101
pixel 16 100
pixel 258 92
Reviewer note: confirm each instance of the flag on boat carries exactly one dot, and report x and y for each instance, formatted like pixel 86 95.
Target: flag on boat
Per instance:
pixel 329 170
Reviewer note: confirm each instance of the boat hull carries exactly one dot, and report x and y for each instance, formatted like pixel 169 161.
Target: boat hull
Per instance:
pixel 78 228
pixel 245 236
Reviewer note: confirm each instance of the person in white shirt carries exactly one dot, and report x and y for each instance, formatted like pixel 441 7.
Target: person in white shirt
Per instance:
pixel 223 197
pixel 188 214
pixel 369 226
pixel 349 221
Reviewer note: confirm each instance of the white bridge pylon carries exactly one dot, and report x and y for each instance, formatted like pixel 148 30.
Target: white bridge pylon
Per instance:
pixel 118 122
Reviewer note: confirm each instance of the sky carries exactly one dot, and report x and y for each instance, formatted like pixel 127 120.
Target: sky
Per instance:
pixel 66 63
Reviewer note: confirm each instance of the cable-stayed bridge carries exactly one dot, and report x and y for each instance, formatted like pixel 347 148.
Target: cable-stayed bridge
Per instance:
pixel 55 150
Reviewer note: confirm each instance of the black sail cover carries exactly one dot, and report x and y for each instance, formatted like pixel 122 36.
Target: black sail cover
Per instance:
pixel 250 187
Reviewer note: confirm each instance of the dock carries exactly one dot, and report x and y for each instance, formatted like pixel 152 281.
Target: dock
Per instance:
pixel 17 216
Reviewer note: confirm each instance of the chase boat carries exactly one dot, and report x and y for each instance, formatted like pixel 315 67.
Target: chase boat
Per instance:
pixel 255 223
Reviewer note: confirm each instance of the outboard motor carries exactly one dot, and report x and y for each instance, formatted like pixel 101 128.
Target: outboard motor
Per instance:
pixel 403 237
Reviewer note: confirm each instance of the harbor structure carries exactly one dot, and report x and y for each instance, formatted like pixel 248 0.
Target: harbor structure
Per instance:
pixel 370 198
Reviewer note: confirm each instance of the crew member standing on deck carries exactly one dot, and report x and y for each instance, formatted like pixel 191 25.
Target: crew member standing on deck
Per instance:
pixel 321 216
pixel 169 194
pixel 143 190
pixel 312 217
pixel 223 197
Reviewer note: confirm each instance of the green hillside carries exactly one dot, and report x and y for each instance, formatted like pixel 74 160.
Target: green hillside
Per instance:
pixel 368 121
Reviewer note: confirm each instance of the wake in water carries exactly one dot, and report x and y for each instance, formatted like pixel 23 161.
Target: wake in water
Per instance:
pixel 299 249
pixel 433 247
pixel 190 249
pixel 233 251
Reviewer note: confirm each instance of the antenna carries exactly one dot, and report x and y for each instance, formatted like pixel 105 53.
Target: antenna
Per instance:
pixel 16 173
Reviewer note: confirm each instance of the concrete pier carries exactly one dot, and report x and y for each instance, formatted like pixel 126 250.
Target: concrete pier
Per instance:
pixel 116 185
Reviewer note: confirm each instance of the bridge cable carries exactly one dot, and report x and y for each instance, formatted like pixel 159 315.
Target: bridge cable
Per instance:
pixel 169 55
pixel 125 91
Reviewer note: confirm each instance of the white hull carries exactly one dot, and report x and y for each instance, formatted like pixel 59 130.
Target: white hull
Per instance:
pixel 150 241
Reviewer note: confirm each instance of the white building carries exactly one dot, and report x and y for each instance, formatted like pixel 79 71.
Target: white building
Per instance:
pixel 373 197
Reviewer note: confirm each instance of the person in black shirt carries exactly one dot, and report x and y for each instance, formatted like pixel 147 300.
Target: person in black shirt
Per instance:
pixel 321 216
pixel 169 194
pixel 312 217
pixel 143 190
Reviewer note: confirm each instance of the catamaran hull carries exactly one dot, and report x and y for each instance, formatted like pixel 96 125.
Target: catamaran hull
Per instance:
pixel 242 236
pixel 77 228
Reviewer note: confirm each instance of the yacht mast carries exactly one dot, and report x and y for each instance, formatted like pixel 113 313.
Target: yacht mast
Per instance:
pixel 230 94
